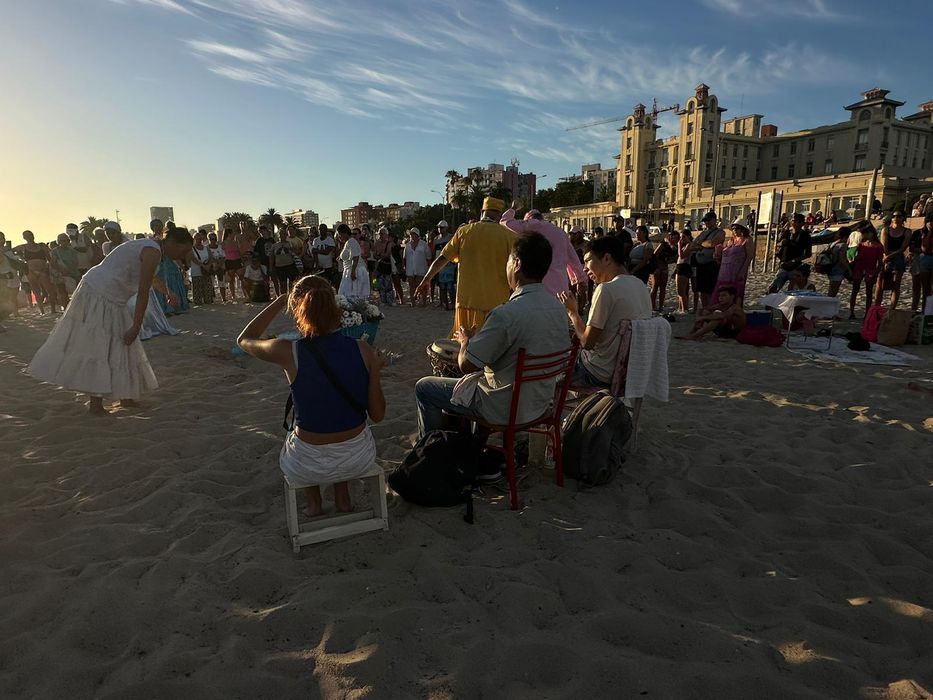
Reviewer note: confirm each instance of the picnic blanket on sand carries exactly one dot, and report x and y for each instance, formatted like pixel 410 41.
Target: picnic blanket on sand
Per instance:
pixel 815 349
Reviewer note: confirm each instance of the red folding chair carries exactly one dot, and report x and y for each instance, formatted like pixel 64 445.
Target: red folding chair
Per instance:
pixel 536 368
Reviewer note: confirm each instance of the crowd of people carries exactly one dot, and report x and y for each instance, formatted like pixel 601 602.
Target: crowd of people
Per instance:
pixel 512 283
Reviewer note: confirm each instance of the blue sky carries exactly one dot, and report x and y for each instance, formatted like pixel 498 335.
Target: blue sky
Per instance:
pixel 215 105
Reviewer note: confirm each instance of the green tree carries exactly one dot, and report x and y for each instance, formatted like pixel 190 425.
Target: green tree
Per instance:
pixel 290 221
pixel 475 197
pixel 92 222
pixel 460 201
pixel 232 220
pixel 500 191
pixel 270 218
pixel 607 193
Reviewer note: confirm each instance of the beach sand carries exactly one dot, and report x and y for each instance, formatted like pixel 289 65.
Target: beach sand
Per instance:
pixel 771 538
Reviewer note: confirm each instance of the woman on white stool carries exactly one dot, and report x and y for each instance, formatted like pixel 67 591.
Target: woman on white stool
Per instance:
pixel 335 382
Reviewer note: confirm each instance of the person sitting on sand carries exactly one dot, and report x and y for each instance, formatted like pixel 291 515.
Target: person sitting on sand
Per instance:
pixel 800 280
pixel 335 383
pixel 531 319
pixel 725 319
pixel 255 280
pixel 619 296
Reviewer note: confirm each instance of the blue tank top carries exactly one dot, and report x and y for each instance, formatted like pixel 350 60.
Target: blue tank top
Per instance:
pixel 319 406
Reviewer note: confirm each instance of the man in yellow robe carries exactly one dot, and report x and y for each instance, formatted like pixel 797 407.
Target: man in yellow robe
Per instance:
pixel 481 250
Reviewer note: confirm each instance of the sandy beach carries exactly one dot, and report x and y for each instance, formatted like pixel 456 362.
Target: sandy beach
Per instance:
pixel 771 538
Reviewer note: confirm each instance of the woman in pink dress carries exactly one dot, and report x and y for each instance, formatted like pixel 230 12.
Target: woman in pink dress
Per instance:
pixel 736 257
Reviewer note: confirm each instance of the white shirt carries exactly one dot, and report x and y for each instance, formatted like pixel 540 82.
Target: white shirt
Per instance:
pixel 117 276
pixel 317 245
pixel 201 257
pixel 255 274
pixel 623 298
pixel 416 259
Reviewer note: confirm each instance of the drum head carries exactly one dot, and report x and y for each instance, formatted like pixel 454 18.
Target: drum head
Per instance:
pixel 446 348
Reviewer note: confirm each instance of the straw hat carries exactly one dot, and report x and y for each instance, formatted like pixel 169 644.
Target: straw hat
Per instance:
pixel 493 204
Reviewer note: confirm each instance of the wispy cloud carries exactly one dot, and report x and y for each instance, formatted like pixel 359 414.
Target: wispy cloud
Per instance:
pixel 810 9
pixel 429 67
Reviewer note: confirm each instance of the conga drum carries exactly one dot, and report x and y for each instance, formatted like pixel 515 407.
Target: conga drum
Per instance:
pixel 443 355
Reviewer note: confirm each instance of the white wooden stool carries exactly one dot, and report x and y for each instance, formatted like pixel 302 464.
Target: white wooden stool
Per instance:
pixel 341 524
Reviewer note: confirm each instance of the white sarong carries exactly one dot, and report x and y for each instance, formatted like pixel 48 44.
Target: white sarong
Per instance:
pixel 305 464
pixel 85 351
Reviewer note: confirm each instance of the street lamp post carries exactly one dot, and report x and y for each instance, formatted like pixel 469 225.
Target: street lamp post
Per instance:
pixel 443 204
pixel 532 206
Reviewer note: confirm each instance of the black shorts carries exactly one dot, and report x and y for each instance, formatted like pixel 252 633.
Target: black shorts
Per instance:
pixel 287 273
pixel 683 269
pixel 233 264
pixel 707 274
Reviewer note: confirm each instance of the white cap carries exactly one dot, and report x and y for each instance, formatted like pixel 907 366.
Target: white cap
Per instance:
pixel 442 224
pixel 414 231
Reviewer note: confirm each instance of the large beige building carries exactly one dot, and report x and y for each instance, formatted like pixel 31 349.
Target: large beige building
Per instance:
pixel 724 164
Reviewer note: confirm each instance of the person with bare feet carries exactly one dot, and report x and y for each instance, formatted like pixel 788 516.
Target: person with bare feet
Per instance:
pixel 724 319
pixel 335 385
pixel 94 348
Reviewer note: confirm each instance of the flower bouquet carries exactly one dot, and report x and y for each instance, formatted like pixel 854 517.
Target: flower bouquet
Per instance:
pixel 359 318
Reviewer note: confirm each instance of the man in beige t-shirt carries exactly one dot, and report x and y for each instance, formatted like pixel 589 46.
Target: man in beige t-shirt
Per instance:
pixel 618 297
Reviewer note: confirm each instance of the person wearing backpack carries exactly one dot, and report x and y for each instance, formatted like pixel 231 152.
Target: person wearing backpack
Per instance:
pixel 532 319
pixel 837 261
pixel 335 385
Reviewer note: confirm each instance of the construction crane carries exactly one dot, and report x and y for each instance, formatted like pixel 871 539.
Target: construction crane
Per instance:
pixel 655 111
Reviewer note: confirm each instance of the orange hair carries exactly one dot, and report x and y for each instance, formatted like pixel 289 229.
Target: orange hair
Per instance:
pixel 313 304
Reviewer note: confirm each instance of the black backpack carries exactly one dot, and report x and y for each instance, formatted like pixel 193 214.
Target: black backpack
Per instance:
pixel 440 471
pixel 594 437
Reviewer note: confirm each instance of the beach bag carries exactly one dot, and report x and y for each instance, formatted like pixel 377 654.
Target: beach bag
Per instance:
pixel 594 437
pixel 439 472
pixel 893 329
pixel 761 336
pixel 873 318
pixel 825 261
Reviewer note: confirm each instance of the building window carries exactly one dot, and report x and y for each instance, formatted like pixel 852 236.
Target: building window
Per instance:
pixel 628 143
pixel 676 153
pixel 774 172
pixel 708 174
pixel 628 161
pixel 811 145
pixel 913 163
pixel 830 142
pixel 790 170
pixel 709 150
pixel 793 147
pixel 690 151
pixel 686 193
pixel 745 151
pixel 664 156
pixel 722 172
pixel 744 172
pixel 859 163
pixel 735 150
pixel 689 128
pixel 862 137
pixel 864 116
pixel 687 169
pixel 776 150
pixel 628 183
pixel 884 137
pixel 828 167
pixel 733 172
pixel 809 167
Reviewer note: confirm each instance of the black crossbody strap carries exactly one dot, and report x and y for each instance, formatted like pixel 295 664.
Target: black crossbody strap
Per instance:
pixel 335 380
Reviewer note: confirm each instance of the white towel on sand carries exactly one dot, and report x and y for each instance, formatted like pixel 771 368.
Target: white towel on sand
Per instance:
pixel 647 361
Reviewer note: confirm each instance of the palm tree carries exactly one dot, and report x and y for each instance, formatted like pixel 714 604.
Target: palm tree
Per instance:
pixel 459 200
pixel 290 221
pixel 271 218
pixel 232 220
pixel 476 195
pixel 92 222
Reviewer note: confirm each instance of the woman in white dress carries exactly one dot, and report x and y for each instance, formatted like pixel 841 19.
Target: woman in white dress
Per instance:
pixel 354 283
pixel 416 264
pixel 94 348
